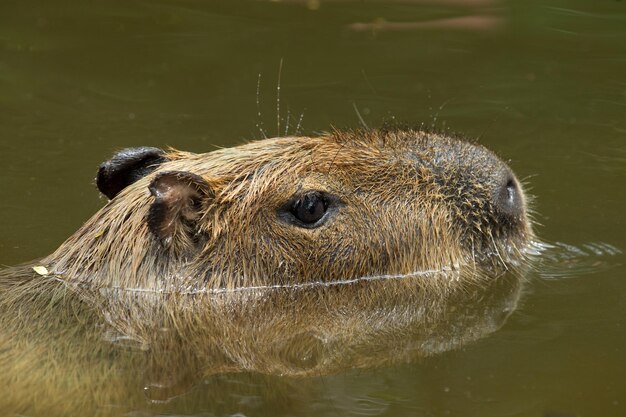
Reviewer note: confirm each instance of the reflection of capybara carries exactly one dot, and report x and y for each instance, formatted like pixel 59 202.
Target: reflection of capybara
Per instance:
pixel 276 256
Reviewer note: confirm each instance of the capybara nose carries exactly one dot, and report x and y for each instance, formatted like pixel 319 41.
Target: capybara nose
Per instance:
pixel 508 196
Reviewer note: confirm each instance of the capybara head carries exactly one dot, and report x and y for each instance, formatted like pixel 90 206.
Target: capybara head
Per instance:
pixel 299 210
pixel 276 257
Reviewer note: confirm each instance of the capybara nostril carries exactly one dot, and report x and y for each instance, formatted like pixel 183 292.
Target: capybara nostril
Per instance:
pixel 508 197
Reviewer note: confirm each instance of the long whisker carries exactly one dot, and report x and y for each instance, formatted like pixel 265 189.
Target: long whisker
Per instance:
pixel 299 126
pixel 280 71
pixel 495 247
pixel 359 116
pixel 259 123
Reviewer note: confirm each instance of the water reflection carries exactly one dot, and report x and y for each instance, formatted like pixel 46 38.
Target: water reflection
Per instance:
pixel 119 350
pixel 121 347
pixel 475 15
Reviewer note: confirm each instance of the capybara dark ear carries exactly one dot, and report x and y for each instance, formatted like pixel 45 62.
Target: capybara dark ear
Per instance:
pixel 126 167
pixel 179 198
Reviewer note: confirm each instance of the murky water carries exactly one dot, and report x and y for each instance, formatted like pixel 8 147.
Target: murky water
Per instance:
pixel 542 83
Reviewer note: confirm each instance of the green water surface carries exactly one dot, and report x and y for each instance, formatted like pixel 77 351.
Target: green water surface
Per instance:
pixel 542 83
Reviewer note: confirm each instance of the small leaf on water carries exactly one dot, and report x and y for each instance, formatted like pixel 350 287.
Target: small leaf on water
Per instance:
pixel 41 270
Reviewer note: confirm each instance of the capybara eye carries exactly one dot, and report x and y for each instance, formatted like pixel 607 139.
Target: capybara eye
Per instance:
pixel 310 208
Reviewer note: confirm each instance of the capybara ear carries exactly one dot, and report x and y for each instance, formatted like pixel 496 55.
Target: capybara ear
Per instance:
pixel 126 167
pixel 179 198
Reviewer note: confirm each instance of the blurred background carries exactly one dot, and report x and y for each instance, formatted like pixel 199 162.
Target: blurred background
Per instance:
pixel 543 83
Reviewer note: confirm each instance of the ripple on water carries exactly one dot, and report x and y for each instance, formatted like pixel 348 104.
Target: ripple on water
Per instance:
pixel 560 260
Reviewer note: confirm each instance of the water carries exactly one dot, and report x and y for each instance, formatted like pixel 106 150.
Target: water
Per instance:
pixel 541 83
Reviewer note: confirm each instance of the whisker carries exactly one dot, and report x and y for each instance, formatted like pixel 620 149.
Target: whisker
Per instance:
pixel 280 71
pixel 359 116
pixel 299 125
pixel 489 126
pixel 436 116
pixel 287 121
pixel 259 123
pixel 495 246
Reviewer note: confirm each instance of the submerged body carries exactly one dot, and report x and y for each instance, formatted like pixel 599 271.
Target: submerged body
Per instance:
pixel 290 256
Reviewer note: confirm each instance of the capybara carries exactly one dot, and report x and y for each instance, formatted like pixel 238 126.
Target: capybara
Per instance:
pixel 287 256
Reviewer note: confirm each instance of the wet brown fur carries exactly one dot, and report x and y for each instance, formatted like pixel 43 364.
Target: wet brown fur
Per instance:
pixel 425 216
pixel 248 291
